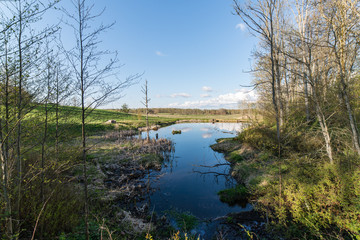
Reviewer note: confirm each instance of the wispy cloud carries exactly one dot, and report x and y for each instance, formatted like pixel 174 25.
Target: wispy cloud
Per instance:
pixel 184 95
pixel 241 26
pixel 228 100
pixel 160 54
pixel 205 95
pixel 207 89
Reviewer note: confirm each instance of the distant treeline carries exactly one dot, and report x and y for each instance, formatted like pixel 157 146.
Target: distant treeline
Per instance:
pixel 221 111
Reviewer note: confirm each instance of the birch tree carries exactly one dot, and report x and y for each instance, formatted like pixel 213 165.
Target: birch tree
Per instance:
pixel 342 20
pixel 312 61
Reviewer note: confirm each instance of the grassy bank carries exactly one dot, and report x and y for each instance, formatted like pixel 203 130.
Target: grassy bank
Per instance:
pixel 52 195
pixel 298 192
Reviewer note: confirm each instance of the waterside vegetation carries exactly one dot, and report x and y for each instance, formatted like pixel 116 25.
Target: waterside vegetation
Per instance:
pixel 301 163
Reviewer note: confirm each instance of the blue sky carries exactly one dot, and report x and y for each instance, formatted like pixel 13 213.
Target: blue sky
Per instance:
pixel 192 52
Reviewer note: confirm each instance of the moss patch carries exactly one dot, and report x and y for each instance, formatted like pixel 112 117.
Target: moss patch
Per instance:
pixel 233 196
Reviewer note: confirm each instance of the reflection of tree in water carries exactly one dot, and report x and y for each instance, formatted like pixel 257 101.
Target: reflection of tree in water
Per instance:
pixel 169 156
pixel 229 180
pixel 230 183
pixel 219 170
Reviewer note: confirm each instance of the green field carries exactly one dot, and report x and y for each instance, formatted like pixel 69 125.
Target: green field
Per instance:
pixel 70 117
pixel 96 120
pixel 219 118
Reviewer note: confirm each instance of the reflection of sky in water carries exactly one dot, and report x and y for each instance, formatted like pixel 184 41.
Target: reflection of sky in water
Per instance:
pixel 231 127
pixel 182 185
pixel 206 135
pixel 205 129
pixel 186 129
pixel 183 129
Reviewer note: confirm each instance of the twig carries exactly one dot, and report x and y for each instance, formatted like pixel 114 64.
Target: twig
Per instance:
pixel 214 166
pixel 38 218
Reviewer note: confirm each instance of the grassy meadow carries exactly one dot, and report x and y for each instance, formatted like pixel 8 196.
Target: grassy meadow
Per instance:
pixel 96 121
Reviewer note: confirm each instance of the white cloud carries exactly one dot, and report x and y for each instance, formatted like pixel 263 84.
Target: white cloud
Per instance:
pixel 160 54
pixel 205 95
pixel 228 100
pixel 206 89
pixel 241 26
pixel 184 95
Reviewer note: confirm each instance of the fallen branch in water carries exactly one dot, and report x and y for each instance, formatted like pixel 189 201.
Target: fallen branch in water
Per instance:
pixel 214 166
pixel 216 173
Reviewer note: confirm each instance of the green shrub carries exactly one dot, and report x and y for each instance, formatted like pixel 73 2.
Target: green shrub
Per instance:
pixel 320 199
pixel 262 138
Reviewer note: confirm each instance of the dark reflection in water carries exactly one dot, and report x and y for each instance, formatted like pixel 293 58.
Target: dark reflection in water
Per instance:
pixel 186 184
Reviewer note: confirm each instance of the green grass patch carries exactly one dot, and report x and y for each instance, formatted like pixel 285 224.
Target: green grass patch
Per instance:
pixel 151 160
pixel 185 221
pixel 233 196
pixel 235 157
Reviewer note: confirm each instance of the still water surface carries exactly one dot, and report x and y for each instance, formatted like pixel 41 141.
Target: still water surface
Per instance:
pixel 186 186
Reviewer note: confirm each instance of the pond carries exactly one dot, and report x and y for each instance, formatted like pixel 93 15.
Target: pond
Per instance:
pixel 188 183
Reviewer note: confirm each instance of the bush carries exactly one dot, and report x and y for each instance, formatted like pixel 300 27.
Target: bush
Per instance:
pixel 260 137
pixel 316 199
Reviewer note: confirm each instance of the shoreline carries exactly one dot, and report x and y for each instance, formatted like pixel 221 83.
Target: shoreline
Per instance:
pixel 251 223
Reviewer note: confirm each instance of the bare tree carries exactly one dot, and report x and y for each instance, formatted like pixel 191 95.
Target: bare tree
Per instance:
pixel 310 57
pixel 145 102
pixel 342 19
pixel 263 19
pixel 86 61
pixel 4 139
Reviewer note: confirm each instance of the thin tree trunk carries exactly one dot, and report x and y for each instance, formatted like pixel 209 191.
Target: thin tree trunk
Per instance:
pixel 287 90
pixel 353 126
pixel 146 104
pixel 43 152
pixel 83 115
pixel 57 115
pixel 324 128
pixel 19 113
pixel 279 93
pixel 83 136
pixel 273 78
pixel 306 92
pixel 319 113
pixel 5 148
